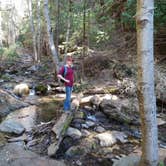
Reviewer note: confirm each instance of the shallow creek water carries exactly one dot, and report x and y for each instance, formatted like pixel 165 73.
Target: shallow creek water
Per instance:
pixel 46 109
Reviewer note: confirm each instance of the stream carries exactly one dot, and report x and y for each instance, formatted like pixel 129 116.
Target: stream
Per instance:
pixel 87 120
pixel 94 139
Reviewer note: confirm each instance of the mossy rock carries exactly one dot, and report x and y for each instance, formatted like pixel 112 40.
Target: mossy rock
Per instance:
pixel 41 89
pixel 79 115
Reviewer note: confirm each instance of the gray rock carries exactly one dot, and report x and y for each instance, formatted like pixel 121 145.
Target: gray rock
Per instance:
pixel 90 123
pixel 99 129
pixel 75 151
pixel 85 133
pixel 26 116
pixel 123 110
pixel 120 136
pixel 74 133
pixel 127 161
pixel 14 155
pixel 10 126
pixel 85 126
pixel 8 103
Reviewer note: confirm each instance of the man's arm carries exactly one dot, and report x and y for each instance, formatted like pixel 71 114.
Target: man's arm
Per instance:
pixel 62 78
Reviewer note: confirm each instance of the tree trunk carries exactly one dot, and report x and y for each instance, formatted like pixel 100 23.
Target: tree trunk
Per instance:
pixel 32 29
pixel 88 28
pixel 50 36
pixel 1 30
pixel 146 96
pixel 84 28
pixel 57 26
pixel 11 27
pixel 68 27
pixel 38 32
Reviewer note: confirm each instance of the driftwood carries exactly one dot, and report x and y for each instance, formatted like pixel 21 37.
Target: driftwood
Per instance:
pixel 62 125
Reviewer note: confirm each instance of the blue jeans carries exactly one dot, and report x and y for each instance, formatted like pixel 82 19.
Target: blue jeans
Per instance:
pixel 68 98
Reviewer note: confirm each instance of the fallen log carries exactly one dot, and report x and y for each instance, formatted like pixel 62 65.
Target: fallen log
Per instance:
pixel 60 129
pixel 111 89
pixel 62 125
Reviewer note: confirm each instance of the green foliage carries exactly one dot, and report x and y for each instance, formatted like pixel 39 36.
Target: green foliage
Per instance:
pixel 102 37
pixel 80 87
pixel 41 89
pixel 1 51
pixel 127 17
pixel 9 53
pixel 160 13
pixel 161 163
pixel 5 77
pixel 103 20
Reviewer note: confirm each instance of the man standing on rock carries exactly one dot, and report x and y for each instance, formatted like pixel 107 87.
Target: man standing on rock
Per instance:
pixel 66 74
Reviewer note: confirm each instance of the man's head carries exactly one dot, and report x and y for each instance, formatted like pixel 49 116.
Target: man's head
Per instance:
pixel 69 60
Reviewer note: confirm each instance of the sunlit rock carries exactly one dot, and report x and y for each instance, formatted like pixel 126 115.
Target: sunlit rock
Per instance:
pixel 21 89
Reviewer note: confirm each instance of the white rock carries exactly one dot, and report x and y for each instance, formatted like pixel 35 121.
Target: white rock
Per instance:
pixel 106 139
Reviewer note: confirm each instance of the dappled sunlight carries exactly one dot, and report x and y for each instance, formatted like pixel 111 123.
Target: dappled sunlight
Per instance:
pixel 114 97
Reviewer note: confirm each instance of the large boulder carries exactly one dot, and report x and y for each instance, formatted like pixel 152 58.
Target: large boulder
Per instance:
pixel 123 110
pixel 8 103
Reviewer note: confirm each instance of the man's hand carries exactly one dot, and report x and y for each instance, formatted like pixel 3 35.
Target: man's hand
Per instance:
pixel 67 81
